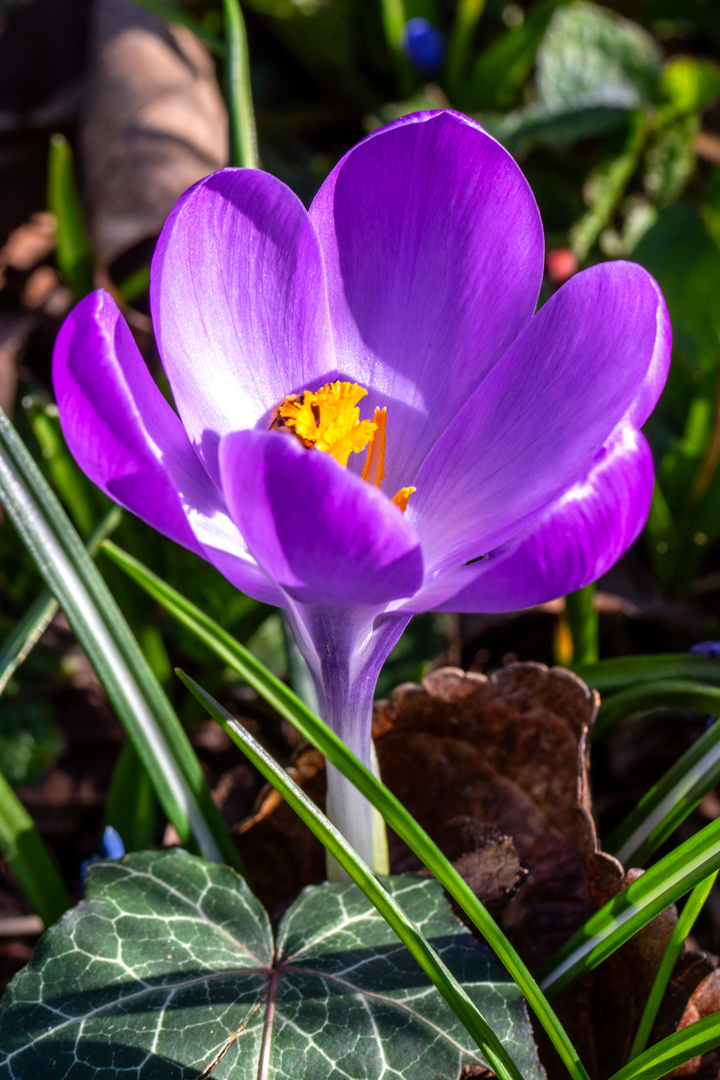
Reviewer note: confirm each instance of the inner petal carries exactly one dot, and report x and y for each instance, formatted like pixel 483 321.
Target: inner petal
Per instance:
pixel 328 419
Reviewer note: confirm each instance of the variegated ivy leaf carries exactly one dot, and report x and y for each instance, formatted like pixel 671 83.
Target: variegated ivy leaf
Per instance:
pixel 168 971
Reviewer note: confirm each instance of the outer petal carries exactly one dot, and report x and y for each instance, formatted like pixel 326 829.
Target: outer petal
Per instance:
pixel 127 439
pixel 433 251
pixel 576 541
pixel 326 537
pixel 594 357
pixel 239 303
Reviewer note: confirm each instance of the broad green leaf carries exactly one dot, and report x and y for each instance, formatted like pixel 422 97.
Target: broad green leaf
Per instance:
pixel 29 859
pixel 608 676
pixel 634 907
pixel 188 980
pixel 521 129
pixel 592 57
pixel 394 813
pixel 100 627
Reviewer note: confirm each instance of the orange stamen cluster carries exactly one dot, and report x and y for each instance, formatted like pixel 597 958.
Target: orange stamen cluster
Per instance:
pixel 328 419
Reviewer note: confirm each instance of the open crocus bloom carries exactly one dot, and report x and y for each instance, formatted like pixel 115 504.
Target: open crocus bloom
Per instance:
pixel 494 462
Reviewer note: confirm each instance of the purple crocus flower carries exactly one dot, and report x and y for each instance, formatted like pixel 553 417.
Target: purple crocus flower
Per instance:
pixel 495 461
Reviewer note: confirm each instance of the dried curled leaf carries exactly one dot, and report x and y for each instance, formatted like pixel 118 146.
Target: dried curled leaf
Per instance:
pixel 154 125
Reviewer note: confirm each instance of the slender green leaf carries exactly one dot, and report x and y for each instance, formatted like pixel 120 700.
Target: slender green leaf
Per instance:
pixel 131 807
pixel 84 502
pixel 608 676
pixel 582 619
pixel 675 1050
pixel 135 285
pixel 101 629
pixel 467 15
pixel 669 802
pixel 663 694
pixel 503 68
pixel 634 907
pixel 25 635
pixel 29 859
pixel 74 255
pixel 675 945
pixel 394 17
pixel 243 138
pixel 394 813
pixel 411 937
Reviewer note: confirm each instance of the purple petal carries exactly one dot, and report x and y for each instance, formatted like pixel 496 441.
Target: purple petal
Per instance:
pixel 325 536
pixel 239 303
pixel 433 251
pixel 593 358
pixel 577 539
pixel 127 439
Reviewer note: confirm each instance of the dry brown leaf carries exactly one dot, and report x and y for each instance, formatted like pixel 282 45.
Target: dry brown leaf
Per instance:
pixel 29 244
pixel 14 331
pixel 155 123
pixel 502 750
pixel 280 852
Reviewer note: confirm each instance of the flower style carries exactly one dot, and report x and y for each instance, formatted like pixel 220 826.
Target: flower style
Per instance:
pixel 371 419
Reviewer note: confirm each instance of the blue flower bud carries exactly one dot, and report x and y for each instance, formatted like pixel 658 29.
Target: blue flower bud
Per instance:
pixel 711 649
pixel 424 45
pixel 112 845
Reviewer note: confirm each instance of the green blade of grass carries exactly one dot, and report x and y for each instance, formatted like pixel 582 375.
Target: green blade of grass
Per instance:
pixel 131 806
pixel 675 945
pixel 467 16
pixel 675 1050
pixel 394 19
pixel 411 937
pixel 74 254
pixel 103 633
pixel 633 908
pixel 243 138
pixel 608 676
pixel 663 694
pixel 394 813
pixel 29 859
pixel 582 619
pixel 25 635
pixel 668 802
